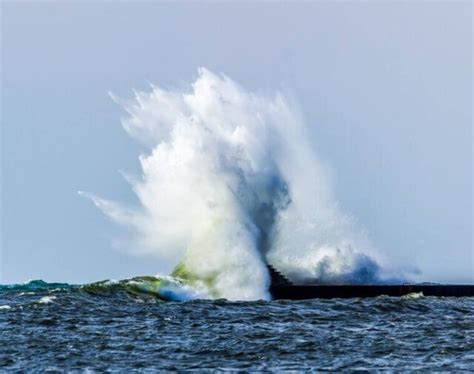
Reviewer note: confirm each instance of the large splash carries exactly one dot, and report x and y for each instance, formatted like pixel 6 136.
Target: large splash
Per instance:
pixel 230 181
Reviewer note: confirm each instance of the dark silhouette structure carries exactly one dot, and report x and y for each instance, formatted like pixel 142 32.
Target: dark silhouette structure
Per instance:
pixel 282 288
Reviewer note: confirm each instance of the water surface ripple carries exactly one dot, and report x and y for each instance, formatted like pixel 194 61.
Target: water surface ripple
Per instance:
pixel 67 327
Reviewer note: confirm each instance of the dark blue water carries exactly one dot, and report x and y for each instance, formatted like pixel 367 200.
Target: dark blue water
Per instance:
pixel 44 326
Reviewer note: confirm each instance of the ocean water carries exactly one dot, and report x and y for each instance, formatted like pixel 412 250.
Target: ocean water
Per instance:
pixel 111 326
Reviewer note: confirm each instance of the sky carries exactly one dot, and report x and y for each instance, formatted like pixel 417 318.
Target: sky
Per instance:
pixel 385 88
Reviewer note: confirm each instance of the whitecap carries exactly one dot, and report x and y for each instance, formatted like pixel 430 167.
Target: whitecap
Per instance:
pixel 413 295
pixel 47 299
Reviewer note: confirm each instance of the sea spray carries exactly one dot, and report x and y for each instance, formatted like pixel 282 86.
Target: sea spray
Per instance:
pixel 229 181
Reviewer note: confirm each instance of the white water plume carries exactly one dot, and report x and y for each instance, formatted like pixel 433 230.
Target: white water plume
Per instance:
pixel 231 179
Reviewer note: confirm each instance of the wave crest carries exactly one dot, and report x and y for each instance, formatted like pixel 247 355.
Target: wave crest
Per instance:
pixel 231 180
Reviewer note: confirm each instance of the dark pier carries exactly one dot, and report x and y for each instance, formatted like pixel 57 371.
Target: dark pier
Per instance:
pixel 282 288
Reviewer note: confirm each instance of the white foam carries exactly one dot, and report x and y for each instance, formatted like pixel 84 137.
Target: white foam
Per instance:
pixel 231 177
pixel 46 299
pixel 413 295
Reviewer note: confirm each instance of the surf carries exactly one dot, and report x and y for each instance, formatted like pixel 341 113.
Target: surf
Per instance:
pixel 230 181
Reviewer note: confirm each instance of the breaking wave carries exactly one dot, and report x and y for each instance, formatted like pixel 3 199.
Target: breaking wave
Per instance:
pixel 230 180
pixel 164 288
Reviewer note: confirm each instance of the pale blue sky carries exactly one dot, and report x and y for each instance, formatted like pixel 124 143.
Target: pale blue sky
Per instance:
pixel 385 87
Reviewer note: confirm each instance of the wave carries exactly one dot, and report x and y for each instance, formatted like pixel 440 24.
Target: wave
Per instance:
pixel 164 288
pixel 231 180
pixel 36 285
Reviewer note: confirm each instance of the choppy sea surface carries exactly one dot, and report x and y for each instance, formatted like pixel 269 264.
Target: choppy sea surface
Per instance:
pixel 110 327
